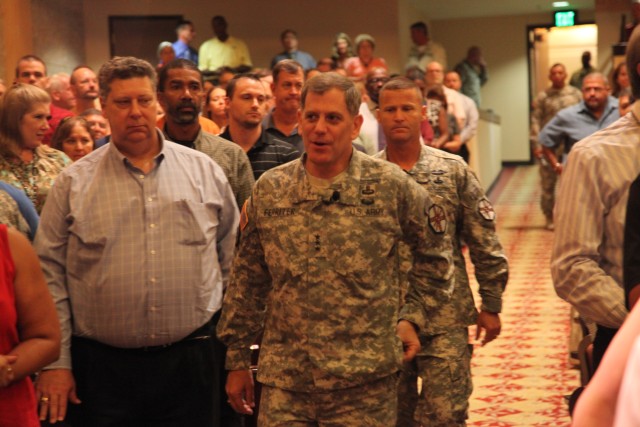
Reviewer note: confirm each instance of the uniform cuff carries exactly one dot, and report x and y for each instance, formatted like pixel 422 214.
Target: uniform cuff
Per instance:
pixel 238 359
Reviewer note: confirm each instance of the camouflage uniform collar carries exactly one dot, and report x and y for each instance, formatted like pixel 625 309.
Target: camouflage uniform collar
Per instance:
pixel 348 186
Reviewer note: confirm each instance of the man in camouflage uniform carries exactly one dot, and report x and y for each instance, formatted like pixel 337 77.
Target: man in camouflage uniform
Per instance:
pixel 317 273
pixel 545 106
pixel 444 359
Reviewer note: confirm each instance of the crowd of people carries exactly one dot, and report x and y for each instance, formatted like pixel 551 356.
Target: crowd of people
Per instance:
pixel 186 213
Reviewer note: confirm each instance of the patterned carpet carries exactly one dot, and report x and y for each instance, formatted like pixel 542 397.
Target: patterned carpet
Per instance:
pixel 522 377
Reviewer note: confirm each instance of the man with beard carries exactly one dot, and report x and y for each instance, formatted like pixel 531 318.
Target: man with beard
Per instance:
pixel 84 85
pixel 245 106
pixel 370 135
pixel 180 92
pixel 282 121
pixel 596 111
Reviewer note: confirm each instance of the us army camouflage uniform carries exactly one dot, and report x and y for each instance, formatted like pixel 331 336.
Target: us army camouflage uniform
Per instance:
pixel 318 274
pixel 444 359
pixel 10 214
pixel 545 106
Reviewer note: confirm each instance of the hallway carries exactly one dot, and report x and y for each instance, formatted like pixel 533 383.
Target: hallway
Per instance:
pixel 521 378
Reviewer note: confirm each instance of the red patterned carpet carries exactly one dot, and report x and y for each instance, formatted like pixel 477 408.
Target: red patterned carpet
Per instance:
pixel 521 378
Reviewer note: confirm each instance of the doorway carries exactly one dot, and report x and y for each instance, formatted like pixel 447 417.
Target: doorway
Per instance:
pixel 551 45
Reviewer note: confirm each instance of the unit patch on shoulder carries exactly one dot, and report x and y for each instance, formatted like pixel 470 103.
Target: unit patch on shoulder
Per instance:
pixel 437 219
pixel 485 209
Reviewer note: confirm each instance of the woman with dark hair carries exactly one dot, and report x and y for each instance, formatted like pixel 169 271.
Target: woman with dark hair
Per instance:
pixel 445 139
pixel 619 80
pixel 24 162
pixel 73 138
pixel 215 107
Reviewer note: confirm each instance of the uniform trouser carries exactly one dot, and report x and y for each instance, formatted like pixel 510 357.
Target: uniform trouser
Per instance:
pixel 445 369
pixel 168 387
pixel 548 180
pixel 369 405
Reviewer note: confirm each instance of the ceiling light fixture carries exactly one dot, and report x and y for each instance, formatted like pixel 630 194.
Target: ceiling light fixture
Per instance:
pixel 560 4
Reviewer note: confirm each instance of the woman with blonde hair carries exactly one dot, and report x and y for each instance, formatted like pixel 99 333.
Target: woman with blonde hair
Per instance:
pixel 342 49
pixel 73 138
pixel 24 162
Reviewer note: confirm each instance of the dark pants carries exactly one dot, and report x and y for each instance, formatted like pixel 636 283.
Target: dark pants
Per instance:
pixel 173 387
pixel 600 343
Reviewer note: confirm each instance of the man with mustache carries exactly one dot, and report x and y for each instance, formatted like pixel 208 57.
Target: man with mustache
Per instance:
pixel 596 111
pixel 180 92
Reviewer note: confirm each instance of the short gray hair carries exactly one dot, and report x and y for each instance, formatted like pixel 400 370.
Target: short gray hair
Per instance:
pixel 326 81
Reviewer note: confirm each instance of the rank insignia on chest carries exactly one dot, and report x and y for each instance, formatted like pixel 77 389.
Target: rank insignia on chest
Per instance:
pixel 367 190
pixel 437 219
pixel 485 209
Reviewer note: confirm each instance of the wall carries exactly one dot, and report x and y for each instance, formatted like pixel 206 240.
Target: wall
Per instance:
pixel 260 24
pixel 58 36
pixel 503 41
pixel 15 22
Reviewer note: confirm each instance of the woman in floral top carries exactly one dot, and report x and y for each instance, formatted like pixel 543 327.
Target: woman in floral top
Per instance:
pixel 24 162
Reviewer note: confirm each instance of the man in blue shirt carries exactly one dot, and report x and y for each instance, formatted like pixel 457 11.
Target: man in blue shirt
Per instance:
pixel 596 111
pixel 289 39
pixel 185 32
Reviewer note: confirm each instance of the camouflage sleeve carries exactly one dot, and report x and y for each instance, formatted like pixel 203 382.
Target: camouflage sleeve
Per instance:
pixel 245 179
pixel 479 233
pixel 431 279
pixel 243 307
pixel 536 119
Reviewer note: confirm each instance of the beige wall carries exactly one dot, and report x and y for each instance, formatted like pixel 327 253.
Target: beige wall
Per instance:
pixel 504 45
pixel 260 23
pixel 63 24
pixel 15 22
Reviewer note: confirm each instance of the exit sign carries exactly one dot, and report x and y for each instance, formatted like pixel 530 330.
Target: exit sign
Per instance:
pixel 565 18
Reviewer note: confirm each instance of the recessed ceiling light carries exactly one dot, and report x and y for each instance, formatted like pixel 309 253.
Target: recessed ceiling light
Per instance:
pixel 560 4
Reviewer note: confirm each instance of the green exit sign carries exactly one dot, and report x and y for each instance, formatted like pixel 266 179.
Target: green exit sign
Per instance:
pixel 565 18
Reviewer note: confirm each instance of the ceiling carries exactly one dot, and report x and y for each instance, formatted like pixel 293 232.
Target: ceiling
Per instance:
pixel 448 9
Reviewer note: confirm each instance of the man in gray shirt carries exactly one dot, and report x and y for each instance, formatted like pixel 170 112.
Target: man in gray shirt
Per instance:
pixel 180 92
pixel 136 244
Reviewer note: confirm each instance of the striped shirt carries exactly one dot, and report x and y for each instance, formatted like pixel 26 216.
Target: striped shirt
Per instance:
pixel 267 153
pixel 586 263
pixel 137 259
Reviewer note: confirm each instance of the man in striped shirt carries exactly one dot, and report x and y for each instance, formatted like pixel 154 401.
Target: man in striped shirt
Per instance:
pixel 245 107
pixel 586 263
